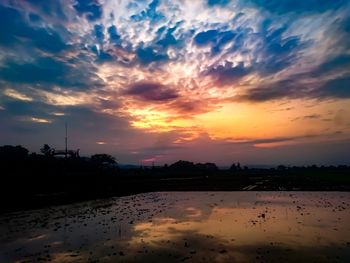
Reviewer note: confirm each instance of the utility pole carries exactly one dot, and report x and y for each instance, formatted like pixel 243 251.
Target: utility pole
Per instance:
pixel 66 141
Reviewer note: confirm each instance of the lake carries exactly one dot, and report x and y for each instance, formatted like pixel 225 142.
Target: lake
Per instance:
pixel 184 227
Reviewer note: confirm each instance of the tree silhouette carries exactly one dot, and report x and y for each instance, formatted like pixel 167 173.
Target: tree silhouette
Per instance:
pixel 183 165
pixel 9 152
pixel 235 167
pixel 47 150
pixel 103 158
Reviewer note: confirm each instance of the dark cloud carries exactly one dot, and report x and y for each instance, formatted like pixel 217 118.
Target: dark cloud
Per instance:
pixel 43 70
pixel 104 56
pixel 271 140
pixel 98 31
pixel 109 104
pixel 338 88
pixel 298 7
pixel 339 60
pixel 332 65
pixel 27 108
pixel 148 55
pixel 214 38
pixel 18 34
pixel 157 50
pixel 228 73
pixel 48 71
pixel 91 9
pixel 312 116
pixel 224 38
pixel 168 39
pixel 282 52
pixel 34 18
pixel 206 37
pixel 15 31
pixel 335 88
pixel 150 13
pixel 40 9
pixel 278 52
pixel 218 2
pixel 192 106
pixel 113 35
pixel 273 50
pixel 151 91
pixel 272 91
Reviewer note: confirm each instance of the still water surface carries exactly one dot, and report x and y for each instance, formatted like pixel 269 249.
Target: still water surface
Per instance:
pixel 185 227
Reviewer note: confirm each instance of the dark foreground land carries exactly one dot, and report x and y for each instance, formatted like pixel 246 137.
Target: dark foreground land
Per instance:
pixel 29 191
pixel 35 181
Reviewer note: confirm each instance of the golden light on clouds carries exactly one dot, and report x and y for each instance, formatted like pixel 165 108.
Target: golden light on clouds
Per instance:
pixel 58 113
pixel 17 95
pixel 157 120
pixel 66 98
pixel 40 120
pixel 169 77
pixel 269 119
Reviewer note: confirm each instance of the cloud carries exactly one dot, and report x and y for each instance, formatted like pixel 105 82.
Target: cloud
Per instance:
pixel 53 9
pixel 39 120
pixel 206 37
pixel 25 108
pixel 216 39
pixel 218 2
pixel 91 9
pixel 150 13
pixel 332 65
pixel 278 51
pixel 335 88
pixel 284 141
pixel 168 39
pixel 272 91
pixel 43 70
pixel 151 91
pixel 190 107
pixel 298 7
pixel 148 55
pixel 17 95
pixel 113 34
pixel 312 116
pixel 292 89
pixel 98 30
pixel 271 51
pixel 15 30
pixel 228 73
pixel 47 70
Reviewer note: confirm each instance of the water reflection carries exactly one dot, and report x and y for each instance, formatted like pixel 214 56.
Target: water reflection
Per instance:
pixel 185 226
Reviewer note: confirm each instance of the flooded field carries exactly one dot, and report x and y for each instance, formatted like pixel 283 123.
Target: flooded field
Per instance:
pixel 185 227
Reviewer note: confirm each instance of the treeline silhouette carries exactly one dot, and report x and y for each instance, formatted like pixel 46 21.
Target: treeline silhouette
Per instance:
pixel 32 180
pixel 18 161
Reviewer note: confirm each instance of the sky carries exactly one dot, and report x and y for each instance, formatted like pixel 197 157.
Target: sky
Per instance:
pixel 254 81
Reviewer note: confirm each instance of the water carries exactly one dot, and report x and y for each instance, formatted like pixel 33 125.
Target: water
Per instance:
pixel 185 227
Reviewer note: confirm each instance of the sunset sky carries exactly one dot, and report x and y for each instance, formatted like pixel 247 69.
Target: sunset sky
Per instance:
pixel 255 81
